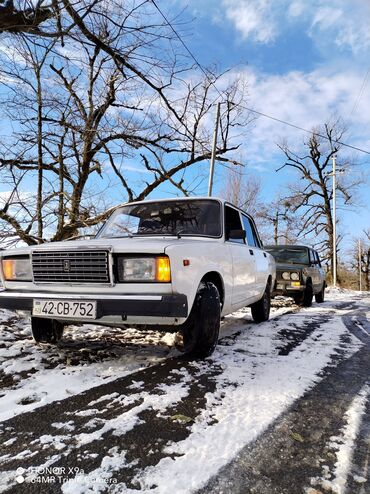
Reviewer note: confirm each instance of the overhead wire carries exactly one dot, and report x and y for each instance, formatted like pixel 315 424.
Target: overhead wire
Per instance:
pixel 361 92
pixel 284 122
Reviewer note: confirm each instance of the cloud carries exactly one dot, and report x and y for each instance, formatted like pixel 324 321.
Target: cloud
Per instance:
pixel 253 19
pixel 296 8
pixel 307 100
pixel 344 22
pixel 15 197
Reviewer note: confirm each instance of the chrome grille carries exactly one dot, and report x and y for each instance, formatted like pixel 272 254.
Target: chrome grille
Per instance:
pixel 83 266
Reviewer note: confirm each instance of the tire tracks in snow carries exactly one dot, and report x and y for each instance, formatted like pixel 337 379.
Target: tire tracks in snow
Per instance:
pixel 298 451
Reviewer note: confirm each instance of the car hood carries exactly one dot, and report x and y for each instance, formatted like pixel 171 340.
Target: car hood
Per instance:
pixel 290 267
pixel 134 245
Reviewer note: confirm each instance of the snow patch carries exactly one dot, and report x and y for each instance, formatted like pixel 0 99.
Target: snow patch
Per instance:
pixel 344 446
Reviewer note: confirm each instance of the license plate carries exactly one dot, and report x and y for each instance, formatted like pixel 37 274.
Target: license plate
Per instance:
pixel 64 308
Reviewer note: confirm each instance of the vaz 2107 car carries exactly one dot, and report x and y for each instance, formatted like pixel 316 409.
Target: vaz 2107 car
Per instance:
pixel 178 264
pixel 298 273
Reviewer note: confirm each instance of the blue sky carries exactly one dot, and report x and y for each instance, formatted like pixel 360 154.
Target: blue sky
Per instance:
pixel 305 62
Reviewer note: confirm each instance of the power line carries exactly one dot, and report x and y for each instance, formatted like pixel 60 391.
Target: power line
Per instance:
pixel 284 122
pixel 304 130
pixel 182 41
pixel 357 101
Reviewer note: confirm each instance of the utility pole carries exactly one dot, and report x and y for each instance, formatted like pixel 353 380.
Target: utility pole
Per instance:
pixel 213 155
pixel 359 264
pixel 334 216
pixel 334 222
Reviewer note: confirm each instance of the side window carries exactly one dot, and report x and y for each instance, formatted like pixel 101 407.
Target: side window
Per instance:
pixel 232 222
pixel 252 239
pixel 313 259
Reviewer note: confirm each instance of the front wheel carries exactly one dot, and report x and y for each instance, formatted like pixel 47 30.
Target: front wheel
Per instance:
pixel 200 331
pixel 261 309
pixel 307 296
pixel 46 330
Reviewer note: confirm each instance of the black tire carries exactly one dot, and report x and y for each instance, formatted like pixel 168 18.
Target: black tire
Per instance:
pixel 307 296
pixel 298 299
pixel 320 297
pixel 261 309
pixel 200 331
pixel 46 330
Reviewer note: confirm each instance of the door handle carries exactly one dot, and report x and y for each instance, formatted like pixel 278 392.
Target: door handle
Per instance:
pixel 251 252
pixel 264 254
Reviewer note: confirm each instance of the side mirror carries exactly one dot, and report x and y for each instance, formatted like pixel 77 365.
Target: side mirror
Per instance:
pixel 237 235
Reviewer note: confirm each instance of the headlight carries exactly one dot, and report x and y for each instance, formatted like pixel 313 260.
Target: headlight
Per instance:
pixel 17 269
pixel 286 275
pixel 144 269
pixel 294 276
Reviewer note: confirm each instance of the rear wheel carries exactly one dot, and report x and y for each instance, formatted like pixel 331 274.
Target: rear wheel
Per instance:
pixel 46 330
pixel 261 309
pixel 200 331
pixel 320 297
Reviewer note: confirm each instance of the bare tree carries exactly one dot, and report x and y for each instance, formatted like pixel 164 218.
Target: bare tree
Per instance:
pixel 243 189
pixel 117 95
pixel 361 258
pixel 276 221
pixel 365 260
pixel 25 16
pixel 312 194
pixel 279 217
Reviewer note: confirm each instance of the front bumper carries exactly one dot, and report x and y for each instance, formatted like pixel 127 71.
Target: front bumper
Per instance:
pixel 173 305
pixel 286 288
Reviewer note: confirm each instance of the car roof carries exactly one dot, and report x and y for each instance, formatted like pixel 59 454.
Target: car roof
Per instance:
pixel 290 246
pixel 165 199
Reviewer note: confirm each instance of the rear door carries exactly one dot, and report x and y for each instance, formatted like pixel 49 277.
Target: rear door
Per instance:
pixel 260 257
pixel 320 272
pixel 243 262
pixel 314 271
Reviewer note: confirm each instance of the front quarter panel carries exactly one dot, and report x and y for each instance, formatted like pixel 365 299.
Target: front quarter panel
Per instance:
pixel 204 257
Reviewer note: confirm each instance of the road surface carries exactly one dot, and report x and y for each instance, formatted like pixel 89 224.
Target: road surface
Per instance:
pixel 281 407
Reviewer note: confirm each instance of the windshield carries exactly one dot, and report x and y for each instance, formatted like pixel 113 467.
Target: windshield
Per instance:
pixel 194 217
pixel 287 256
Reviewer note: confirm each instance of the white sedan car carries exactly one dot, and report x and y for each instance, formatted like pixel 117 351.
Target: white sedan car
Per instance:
pixel 176 264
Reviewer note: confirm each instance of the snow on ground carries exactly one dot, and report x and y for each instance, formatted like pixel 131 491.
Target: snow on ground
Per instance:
pixel 90 355
pixel 260 384
pixel 265 368
pixel 343 446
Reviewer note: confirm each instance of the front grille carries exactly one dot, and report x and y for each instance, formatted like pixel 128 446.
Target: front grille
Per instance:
pixel 83 266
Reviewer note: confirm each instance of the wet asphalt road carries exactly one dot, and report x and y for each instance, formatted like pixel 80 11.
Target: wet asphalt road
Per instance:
pixel 277 463
pixel 283 459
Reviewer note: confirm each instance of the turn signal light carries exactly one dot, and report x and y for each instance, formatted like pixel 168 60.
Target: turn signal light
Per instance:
pixel 8 269
pixel 163 269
